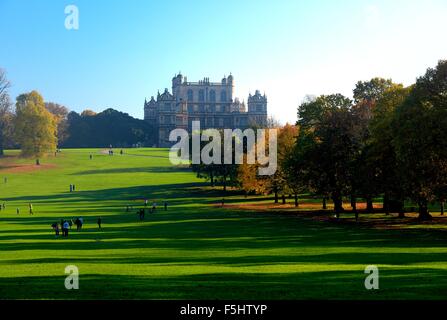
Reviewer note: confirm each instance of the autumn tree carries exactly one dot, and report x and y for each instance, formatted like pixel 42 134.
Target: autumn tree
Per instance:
pixel 287 168
pixel 34 126
pixel 248 173
pixel 88 113
pixel 60 113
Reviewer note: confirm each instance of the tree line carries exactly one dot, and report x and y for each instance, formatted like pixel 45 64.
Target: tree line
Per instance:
pixel 38 127
pixel 389 141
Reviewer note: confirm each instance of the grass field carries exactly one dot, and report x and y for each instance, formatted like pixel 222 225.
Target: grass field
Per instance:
pixel 195 250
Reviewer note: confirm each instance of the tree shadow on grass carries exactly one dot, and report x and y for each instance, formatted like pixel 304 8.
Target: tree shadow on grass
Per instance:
pixel 333 285
pixel 240 261
pixel 153 169
pixel 200 229
pixel 165 191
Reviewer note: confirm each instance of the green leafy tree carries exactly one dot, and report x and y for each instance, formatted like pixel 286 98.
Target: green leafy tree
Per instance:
pixel 221 173
pixel 420 138
pixel 106 128
pixel 382 158
pixel 365 181
pixel 329 141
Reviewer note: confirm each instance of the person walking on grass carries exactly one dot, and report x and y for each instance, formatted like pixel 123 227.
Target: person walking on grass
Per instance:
pixel 55 227
pixel 65 228
pixel 18 211
pixel 99 222
pixel 166 206
pixel 141 214
pixel 31 209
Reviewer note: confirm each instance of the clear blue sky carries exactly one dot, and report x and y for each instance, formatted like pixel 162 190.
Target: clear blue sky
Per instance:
pixel 125 51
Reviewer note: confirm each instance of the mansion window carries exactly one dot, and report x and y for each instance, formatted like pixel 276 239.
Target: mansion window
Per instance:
pixel 213 96
pixel 190 95
pixel 223 96
pixel 201 96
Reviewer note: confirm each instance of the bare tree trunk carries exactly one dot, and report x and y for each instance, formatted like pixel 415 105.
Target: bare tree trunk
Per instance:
pixel 37 162
pixel 283 199
pixel 296 200
pixel 276 195
pixel 424 214
pixel 369 204
pixel 386 203
pixel 354 207
pixel 402 209
pixel 353 202
pixel 324 203
pixel 442 207
pixel 338 204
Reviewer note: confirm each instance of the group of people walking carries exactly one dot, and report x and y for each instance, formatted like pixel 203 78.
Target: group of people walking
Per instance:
pixel 30 206
pixel 65 225
pixel 141 212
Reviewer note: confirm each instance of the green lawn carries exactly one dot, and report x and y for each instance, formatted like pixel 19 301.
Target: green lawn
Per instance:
pixel 195 250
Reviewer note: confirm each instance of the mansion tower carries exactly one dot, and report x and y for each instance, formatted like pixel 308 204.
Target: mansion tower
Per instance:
pixel 211 103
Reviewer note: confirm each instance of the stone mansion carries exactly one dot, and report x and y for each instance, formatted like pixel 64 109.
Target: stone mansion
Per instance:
pixel 211 103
